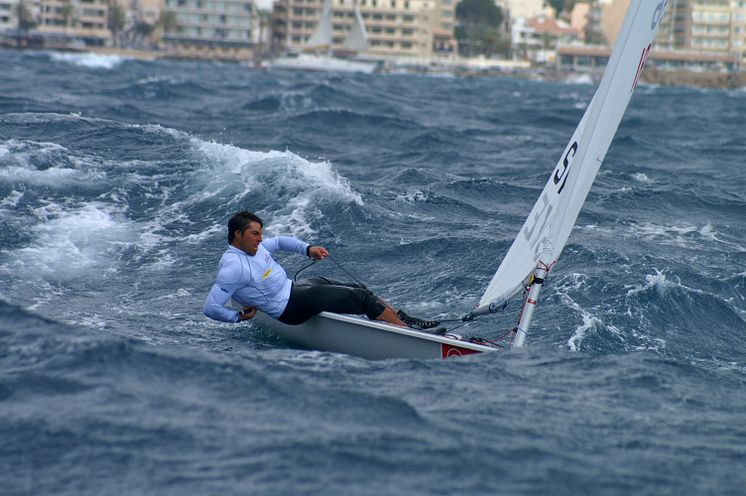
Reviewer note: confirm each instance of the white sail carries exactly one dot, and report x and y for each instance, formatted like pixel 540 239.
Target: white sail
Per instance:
pixel 357 37
pixel 321 38
pixel 545 232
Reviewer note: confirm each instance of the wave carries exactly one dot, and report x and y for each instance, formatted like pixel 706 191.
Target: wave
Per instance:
pixel 89 60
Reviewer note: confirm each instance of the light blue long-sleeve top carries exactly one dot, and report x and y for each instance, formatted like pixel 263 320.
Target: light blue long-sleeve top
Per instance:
pixel 256 281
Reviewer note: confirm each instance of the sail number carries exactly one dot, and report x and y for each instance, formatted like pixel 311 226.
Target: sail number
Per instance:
pixel 561 175
pixel 534 231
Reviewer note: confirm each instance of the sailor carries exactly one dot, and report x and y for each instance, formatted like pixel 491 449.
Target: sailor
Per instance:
pixel 250 276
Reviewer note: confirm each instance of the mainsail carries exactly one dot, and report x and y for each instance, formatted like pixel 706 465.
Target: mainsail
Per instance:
pixel 357 37
pixel 321 38
pixel 545 232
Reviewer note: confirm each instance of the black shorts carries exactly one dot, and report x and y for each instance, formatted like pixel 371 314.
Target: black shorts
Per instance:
pixel 319 294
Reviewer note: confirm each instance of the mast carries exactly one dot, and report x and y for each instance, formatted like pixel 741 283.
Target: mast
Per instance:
pixel 530 306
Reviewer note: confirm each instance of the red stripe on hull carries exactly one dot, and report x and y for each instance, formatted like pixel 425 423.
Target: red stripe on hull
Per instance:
pixel 448 351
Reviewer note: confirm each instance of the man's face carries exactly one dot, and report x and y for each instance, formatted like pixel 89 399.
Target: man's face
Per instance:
pixel 249 239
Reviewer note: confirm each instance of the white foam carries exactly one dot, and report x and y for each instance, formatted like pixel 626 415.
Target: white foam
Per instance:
pixel 574 283
pixel 89 60
pixel 300 185
pixel 659 283
pixel 11 201
pixel 63 168
pixel 413 196
pixel 641 178
pixel 682 235
pixel 72 243
pixel 579 79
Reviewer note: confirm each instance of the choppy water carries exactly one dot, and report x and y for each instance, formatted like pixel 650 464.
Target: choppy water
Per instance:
pixel 116 180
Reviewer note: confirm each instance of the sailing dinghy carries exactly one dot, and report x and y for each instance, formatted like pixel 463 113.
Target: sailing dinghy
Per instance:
pixel 541 239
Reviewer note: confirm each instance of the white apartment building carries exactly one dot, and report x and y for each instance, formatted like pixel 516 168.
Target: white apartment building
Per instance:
pixel 84 20
pixel 694 35
pixel 8 16
pixel 399 28
pixel 526 9
pixel 705 26
pixel 209 25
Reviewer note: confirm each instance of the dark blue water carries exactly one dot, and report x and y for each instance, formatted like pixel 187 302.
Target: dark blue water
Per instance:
pixel 117 178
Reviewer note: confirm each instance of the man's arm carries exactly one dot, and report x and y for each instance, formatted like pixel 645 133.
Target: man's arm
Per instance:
pixel 227 283
pixel 291 244
pixel 214 306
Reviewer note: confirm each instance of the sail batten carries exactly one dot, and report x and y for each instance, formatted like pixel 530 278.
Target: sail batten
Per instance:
pixel 550 222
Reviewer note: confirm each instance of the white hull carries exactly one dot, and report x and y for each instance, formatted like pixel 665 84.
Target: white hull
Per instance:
pixel 369 339
pixel 311 62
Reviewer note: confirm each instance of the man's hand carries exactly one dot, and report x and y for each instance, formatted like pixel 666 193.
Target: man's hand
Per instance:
pixel 317 252
pixel 247 313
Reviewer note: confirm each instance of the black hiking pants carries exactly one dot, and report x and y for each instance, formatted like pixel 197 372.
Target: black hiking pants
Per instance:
pixel 319 294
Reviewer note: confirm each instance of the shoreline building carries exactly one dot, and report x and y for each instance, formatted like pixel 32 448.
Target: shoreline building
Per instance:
pixel 694 35
pixel 8 15
pixel 707 26
pixel 83 21
pixel 395 28
pixel 60 23
pixel 226 27
pixel 525 9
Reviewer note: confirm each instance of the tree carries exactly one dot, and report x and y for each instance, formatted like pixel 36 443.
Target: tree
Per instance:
pixel 142 30
pixel 560 5
pixel 67 12
pixel 116 20
pixel 478 23
pixel 26 19
pixel 168 22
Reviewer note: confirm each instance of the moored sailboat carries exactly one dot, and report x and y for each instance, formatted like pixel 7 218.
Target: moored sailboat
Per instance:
pixel 318 53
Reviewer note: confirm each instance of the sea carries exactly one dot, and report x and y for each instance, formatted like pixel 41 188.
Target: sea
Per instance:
pixel 117 178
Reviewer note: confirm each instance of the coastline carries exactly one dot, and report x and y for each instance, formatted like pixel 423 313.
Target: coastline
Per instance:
pixel 651 75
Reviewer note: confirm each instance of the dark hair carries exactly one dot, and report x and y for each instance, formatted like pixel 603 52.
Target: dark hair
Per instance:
pixel 240 221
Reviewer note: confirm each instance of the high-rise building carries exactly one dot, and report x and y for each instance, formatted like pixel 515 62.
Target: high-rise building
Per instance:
pixel 413 28
pixel 705 35
pixel 227 26
pixel 82 20
pixel 705 26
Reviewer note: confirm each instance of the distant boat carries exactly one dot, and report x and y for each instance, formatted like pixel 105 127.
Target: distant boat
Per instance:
pixel 540 241
pixel 318 54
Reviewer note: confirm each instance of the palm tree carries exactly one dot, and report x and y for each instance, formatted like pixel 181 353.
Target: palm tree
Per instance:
pixel 67 12
pixel 167 23
pixel 116 21
pixel 26 19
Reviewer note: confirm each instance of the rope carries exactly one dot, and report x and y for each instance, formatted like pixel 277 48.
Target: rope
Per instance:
pixel 345 271
pixel 295 277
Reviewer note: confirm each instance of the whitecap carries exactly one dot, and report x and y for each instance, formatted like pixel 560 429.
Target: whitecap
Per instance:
pixel 413 196
pixel 72 243
pixel 63 168
pixel 641 178
pixel 301 185
pixel 89 60
pixel 579 79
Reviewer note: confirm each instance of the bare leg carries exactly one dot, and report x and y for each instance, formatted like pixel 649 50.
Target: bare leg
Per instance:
pixel 390 315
